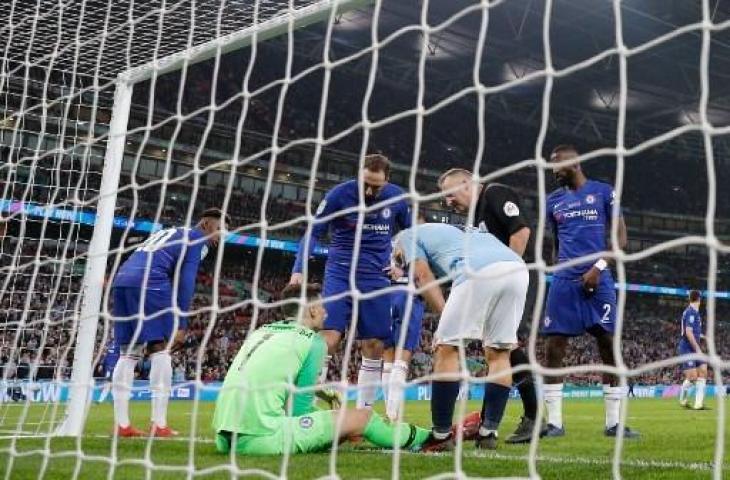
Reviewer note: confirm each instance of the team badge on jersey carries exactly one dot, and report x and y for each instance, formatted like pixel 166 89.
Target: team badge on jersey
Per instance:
pixel 510 209
pixel 590 199
pixel 386 212
pixel 306 422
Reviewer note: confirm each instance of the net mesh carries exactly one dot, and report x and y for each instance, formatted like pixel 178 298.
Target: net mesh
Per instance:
pixel 230 132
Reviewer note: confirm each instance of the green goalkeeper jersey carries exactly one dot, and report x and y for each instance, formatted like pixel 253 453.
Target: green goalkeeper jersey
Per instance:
pixel 255 393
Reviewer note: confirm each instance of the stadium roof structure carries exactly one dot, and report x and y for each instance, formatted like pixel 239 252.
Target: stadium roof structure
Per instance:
pixel 664 41
pixel 105 38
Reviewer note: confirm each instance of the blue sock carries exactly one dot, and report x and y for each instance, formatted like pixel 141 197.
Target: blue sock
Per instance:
pixel 443 401
pixel 495 401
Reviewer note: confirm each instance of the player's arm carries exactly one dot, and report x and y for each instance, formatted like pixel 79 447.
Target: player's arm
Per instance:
pixel 426 280
pixel 689 333
pixel 194 253
pixel 592 277
pixel 328 206
pixel 506 207
pixel 403 217
pixel 409 251
pixel 550 221
pixel 303 401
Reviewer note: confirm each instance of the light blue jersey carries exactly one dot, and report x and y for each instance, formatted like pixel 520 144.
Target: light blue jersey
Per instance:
pixel 450 250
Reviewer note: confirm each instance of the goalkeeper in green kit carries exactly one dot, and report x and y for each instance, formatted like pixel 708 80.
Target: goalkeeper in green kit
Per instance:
pixel 258 411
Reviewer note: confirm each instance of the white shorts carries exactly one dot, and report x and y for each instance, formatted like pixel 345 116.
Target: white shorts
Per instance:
pixel 488 306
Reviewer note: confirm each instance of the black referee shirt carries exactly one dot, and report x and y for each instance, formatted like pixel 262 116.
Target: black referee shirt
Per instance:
pixel 500 210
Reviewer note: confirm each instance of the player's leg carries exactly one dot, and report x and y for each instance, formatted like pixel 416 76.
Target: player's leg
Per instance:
pixel 463 318
pixel 126 305
pixel 373 329
pixel 388 359
pixel 158 332
pixel 525 384
pixel 700 385
pixel 402 359
pixel 505 292
pixel 555 348
pixel 563 319
pixel 339 312
pixel 496 394
pixel 613 393
pixel 689 371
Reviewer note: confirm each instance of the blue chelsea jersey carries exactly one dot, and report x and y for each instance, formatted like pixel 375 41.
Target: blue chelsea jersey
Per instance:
pixel 581 221
pixel 691 319
pixel 378 228
pixel 159 256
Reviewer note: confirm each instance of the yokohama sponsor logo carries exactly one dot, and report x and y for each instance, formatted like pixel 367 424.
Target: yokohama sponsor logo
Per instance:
pixel 586 213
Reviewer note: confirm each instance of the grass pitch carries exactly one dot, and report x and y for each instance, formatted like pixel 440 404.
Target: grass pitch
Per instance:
pixel 675 444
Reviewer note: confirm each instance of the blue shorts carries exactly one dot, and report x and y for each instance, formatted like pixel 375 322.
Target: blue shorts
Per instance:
pixel 570 312
pixel 373 320
pixel 154 327
pixel 685 349
pixel 399 301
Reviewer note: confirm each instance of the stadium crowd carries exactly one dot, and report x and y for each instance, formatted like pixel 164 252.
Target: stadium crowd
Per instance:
pixel 40 338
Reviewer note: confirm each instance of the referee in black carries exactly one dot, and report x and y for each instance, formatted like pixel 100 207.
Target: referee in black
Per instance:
pixel 498 208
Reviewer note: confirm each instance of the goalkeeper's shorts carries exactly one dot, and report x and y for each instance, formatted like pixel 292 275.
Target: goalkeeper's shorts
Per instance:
pixel 309 433
pixel 156 326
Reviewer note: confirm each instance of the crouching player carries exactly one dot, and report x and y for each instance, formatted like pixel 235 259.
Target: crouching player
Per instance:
pixel 486 304
pixel 256 412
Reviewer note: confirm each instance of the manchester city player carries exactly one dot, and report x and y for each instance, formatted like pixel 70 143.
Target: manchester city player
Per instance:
pixel 582 297
pixel 499 209
pixel 256 412
pixel 487 299
pixel 695 371
pixel 145 321
pixel 373 321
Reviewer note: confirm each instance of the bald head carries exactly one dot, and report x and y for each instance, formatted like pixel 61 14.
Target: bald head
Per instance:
pixel 459 189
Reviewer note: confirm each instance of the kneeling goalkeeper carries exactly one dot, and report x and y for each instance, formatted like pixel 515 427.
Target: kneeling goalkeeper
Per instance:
pixel 254 413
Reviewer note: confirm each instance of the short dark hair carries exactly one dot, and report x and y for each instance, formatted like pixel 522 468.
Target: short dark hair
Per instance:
pixel 694 296
pixel 312 291
pixel 565 147
pixel 216 213
pixel 376 162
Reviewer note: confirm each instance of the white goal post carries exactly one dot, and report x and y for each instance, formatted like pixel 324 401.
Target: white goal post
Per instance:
pixel 287 17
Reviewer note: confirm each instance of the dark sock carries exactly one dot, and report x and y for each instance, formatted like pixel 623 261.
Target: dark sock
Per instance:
pixel 495 401
pixel 524 383
pixel 443 401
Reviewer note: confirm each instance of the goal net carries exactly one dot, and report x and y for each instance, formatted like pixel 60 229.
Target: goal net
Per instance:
pixel 119 119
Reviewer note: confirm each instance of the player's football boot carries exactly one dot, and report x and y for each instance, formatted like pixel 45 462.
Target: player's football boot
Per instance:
pixel 130 432
pixel 523 433
pixel 487 442
pixel 700 407
pixel 162 432
pixel 553 431
pixel 436 445
pixel 628 433
pixel 684 403
pixel 469 426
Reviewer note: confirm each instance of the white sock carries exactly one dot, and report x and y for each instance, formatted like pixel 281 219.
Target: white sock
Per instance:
pixel 122 379
pixel 398 379
pixel 612 397
pixel 684 391
pixel 160 386
pixel 325 369
pixel 369 376
pixel 553 394
pixel 387 368
pixel 105 390
pixel 700 392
